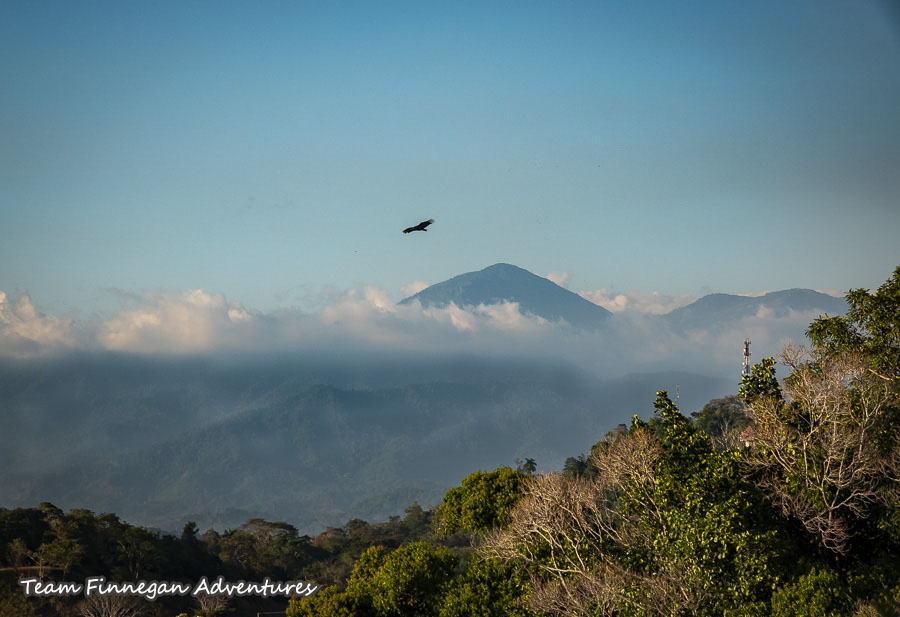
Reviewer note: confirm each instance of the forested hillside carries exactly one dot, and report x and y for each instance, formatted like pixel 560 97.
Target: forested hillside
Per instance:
pixel 315 441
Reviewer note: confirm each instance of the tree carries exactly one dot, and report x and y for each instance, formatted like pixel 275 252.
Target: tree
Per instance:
pixel 211 604
pixel 819 593
pixel 829 455
pixel 137 548
pixel 722 416
pixel 578 466
pixel 481 502
pixel 411 580
pixel 526 467
pixel 61 552
pixel 16 553
pixel 871 327
pixel 110 605
pixel 487 588
pixel 668 526
pixel 408 581
pixel 14 603
pixel 330 602
pixel 827 451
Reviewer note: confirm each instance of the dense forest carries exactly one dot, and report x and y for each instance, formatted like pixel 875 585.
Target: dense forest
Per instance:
pixel 783 500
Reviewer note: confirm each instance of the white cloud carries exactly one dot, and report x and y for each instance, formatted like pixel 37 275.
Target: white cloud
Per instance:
pixel 833 292
pixel 24 329
pixel 560 278
pixel 191 321
pixel 413 288
pixel 614 303
pixel 366 320
pixel 651 303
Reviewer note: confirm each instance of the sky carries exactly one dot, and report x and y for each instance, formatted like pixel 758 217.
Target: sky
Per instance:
pixel 263 157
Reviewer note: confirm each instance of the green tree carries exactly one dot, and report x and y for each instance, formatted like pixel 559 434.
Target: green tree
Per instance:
pixel 828 453
pixel 819 593
pixel 408 581
pixel 14 603
pixel 721 416
pixel 411 580
pixel 330 602
pixel 669 526
pixel 481 502
pixel 579 466
pixel 526 467
pixel 487 588
pixel 871 327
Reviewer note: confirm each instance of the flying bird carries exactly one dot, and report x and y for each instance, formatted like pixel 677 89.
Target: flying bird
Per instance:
pixel 420 227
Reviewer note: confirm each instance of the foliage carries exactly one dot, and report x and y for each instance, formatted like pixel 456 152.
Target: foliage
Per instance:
pixel 721 416
pixel 481 502
pixel 761 384
pixel 416 579
pixel 580 466
pixel 33 540
pixel 487 588
pixel 871 327
pixel 408 581
pixel 828 453
pixel 13 602
pixel 411 580
pixel 819 593
pixel 330 602
pixel 668 526
pixel 526 467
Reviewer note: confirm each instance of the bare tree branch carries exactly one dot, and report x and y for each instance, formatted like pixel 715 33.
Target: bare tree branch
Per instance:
pixel 97 605
pixel 572 531
pixel 819 453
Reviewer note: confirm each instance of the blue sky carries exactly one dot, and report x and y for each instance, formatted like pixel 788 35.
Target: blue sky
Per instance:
pixel 272 152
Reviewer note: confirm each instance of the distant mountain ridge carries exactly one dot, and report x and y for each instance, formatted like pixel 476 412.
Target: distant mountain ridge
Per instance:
pixel 726 308
pixel 535 295
pixel 539 296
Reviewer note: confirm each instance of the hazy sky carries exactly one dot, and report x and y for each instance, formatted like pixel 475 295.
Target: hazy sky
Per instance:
pixel 272 151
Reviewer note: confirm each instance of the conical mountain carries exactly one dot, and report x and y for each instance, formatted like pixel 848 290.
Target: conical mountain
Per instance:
pixel 505 282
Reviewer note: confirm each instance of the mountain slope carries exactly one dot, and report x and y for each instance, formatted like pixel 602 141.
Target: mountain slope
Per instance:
pixel 504 282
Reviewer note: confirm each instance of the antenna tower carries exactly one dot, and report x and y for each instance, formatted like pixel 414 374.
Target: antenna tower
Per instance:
pixel 745 372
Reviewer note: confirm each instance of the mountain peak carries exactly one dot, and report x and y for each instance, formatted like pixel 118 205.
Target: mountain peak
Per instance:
pixel 501 282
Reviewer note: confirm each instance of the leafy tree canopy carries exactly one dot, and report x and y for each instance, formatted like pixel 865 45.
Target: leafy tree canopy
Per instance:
pixel 481 502
pixel 871 326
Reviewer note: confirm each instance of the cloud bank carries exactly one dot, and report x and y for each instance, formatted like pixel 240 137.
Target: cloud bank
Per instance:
pixel 652 303
pixel 366 320
pixel 25 330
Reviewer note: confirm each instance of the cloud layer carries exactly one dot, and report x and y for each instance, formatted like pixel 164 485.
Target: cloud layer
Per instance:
pixel 652 303
pixel 367 320
pixel 25 330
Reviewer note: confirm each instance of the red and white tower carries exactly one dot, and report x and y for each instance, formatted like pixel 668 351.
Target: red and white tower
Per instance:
pixel 745 372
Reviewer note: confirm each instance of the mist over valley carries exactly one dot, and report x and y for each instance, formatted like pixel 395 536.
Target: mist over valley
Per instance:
pixel 371 406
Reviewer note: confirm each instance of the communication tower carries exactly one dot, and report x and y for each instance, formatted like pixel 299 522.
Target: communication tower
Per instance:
pixel 745 372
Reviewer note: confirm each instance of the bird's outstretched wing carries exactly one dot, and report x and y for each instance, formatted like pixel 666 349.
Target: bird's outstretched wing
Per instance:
pixel 420 227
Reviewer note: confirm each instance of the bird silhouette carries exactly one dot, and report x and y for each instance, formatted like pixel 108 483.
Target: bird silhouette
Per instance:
pixel 420 227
